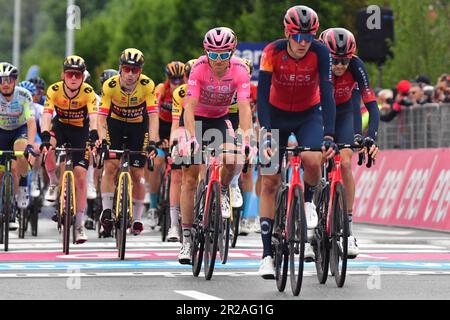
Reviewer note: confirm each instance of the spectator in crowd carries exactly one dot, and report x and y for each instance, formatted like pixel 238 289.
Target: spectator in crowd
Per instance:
pixel 416 94
pixel 428 92
pixel 442 89
pixel 401 99
pixel 423 80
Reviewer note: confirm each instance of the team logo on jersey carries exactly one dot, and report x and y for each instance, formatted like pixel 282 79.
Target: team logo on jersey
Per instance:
pixel 134 100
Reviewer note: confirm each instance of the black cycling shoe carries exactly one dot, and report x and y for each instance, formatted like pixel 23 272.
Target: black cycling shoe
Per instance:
pixel 89 224
pixel 107 221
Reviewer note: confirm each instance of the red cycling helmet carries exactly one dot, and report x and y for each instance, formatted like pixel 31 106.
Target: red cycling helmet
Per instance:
pixel 301 19
pixel 340 41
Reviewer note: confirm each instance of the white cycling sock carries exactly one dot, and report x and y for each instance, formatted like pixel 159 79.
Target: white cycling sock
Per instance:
pixel 107 200
pixel 174 216
pixel 90 175
pixel 138 209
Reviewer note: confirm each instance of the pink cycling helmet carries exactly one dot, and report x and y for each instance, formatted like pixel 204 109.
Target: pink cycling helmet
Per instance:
pixel 301 19
pixel 221 38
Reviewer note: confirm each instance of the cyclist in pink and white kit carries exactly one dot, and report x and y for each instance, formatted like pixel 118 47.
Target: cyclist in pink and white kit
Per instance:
pixel 213 81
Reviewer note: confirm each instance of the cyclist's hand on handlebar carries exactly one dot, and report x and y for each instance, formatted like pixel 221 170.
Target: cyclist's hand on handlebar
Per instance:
pixel 29 153
pixel 370 147
pixel 268 146
pixel 329 148
pixel 94 139
pixel 358 139
pixel 152 150
pixel 248 151
pixel 45 145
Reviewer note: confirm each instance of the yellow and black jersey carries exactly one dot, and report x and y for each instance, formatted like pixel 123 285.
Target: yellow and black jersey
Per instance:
pixel 177 101
pixel 125 107
pixel 72 111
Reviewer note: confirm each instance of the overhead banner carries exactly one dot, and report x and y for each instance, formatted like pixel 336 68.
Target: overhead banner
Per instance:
pixel 253 52
pixel 405 188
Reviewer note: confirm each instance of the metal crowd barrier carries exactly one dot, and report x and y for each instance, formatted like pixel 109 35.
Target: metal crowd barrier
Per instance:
pixel 418 126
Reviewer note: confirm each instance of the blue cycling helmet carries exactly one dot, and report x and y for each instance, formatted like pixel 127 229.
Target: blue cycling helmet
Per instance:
pixel 29 86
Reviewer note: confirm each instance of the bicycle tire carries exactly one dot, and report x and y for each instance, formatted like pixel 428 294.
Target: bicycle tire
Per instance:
pixel 22 223
pixel 212 230
pixel 7 207
pixel 224 241
pixel 165 222
pixel 279 243
pixel 34 216
pixel 123 217
pixel 321 241
pixel 236 212
pixel 296 239
pixel 67 191
pixel 339 235
pixel 198 239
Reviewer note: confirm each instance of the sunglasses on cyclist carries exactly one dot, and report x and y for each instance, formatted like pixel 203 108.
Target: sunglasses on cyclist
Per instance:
pixel 133 70
pixel 8 79
pixel 343 61
pixel 299 37
pixel 216 55
pixel 77 74
pixel 176 80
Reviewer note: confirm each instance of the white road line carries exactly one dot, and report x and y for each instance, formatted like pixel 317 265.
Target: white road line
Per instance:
pixel 196 295
pixel 93 274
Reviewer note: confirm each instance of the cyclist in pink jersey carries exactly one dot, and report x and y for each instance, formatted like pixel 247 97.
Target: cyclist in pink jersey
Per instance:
pixel 213 81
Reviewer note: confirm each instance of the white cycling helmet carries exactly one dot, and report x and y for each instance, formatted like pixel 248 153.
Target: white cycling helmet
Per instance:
pixel 7 70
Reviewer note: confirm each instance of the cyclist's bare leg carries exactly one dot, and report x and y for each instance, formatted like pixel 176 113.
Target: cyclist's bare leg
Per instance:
pixel 267 207
pixel 108 184
pixel 137 176
pixel 229 168
pixel 188 189
pixel 348 181
pixel 50 164
pixel 312 172
pixel 175 194
pixel 247 180
pixel 80 194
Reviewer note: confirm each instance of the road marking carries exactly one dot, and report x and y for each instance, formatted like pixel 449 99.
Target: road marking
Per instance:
pixel 196 295
pixel 306 273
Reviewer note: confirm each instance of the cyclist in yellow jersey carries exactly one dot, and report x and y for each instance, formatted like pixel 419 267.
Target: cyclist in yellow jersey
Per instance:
pixel 128 115
pixel 175 184
pixel 174 71
pixel 74 103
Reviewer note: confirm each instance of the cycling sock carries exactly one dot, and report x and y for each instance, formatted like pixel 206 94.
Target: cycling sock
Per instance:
pixel 52 177
pixel 224 190
pixel 187 235
pixel 153 200
pixel 23 181
pixel 309 192
pixel 234 183
pixel 107 200
pixel 174 216
pixel 79 219
pixel 266 235
pixel 247 203
pixel 90 175
pixel 350 223
pixel 138 209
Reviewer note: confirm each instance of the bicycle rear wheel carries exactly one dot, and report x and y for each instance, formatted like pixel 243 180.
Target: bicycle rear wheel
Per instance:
pixel 279 243
pixel 121 231
pixel 34 216
pixel 22 222
pixel 321 241
pixel 339 235
pixel 212 230
pixel 198 237
pixel 297 237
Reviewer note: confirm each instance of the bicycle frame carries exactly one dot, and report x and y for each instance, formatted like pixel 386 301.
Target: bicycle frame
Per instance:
pixel 212 175
pixel 295 163
pixel 335 177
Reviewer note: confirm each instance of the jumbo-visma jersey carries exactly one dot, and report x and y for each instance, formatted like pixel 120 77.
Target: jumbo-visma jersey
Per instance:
pixel 125 107
pixel 71 111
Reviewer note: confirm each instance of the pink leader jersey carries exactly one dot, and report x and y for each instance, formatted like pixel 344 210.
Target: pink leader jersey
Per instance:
pixel 215 95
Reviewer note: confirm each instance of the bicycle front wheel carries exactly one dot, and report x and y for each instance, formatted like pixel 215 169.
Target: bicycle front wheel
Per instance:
pixel 198 239
pixel 297 237
pixel 7 207
pixel 224 241
pixel 212 230
pixel 279 243
pixel 67 212
pixel 321 241
pixel 121 231
pixel 339 235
